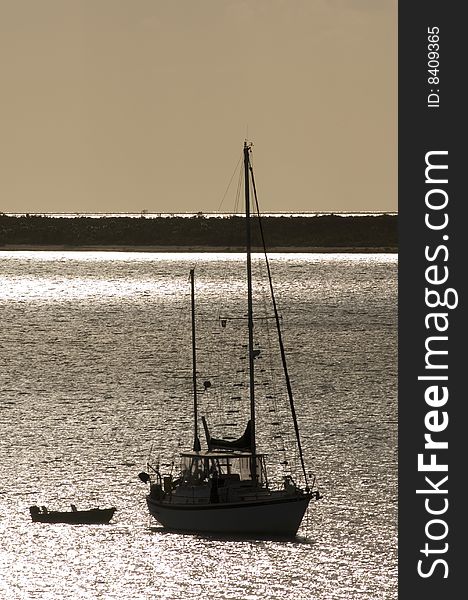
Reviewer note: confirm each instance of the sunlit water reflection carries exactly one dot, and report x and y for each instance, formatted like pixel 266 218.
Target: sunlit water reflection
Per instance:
pixel 95 367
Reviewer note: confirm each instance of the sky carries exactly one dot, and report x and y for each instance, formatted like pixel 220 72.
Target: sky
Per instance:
pixel 131 105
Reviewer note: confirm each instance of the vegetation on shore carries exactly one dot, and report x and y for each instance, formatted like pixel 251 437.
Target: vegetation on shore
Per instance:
pixel 333 231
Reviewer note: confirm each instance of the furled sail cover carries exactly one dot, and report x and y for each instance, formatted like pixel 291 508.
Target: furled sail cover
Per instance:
pixel 243 443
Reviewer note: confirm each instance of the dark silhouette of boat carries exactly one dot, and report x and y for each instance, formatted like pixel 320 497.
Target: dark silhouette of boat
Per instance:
pixel 224 488
pixel 75 516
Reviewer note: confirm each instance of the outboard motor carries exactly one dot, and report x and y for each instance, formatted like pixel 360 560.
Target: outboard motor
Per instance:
pixel 144 477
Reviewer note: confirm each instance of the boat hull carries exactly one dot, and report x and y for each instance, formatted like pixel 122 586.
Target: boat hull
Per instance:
pixel 80 517
pixel 271 517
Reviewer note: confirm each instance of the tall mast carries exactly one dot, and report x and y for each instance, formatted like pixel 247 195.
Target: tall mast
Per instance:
pixel 250 306
pixel 196 441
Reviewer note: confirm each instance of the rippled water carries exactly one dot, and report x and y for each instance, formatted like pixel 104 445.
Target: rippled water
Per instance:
pixel 95 367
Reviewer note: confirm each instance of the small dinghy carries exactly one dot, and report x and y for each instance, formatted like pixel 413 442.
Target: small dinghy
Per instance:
pixel 75 516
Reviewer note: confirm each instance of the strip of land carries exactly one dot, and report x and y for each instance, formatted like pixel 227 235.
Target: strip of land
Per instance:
pixel 325 233
pixel 215 249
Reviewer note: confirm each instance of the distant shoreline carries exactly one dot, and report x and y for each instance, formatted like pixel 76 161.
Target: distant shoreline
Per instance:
pixel 216 249
pixel 326 233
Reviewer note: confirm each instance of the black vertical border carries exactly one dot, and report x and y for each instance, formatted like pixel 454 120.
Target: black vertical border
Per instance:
pixel 422 129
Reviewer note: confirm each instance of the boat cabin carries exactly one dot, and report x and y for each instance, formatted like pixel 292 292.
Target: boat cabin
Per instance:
pixel 199 467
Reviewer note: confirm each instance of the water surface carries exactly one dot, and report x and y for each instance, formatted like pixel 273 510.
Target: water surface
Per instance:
pixel 95 368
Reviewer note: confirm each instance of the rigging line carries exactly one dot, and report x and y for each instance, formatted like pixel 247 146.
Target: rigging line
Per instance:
pixel 240 181
pixel 230 238
pixel 280 337
pixel 280 447
pixel 229 184
pixel 280 437
pixel 273 401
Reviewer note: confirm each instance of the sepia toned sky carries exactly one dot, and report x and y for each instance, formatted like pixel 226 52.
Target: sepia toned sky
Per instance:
pixel 125 105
